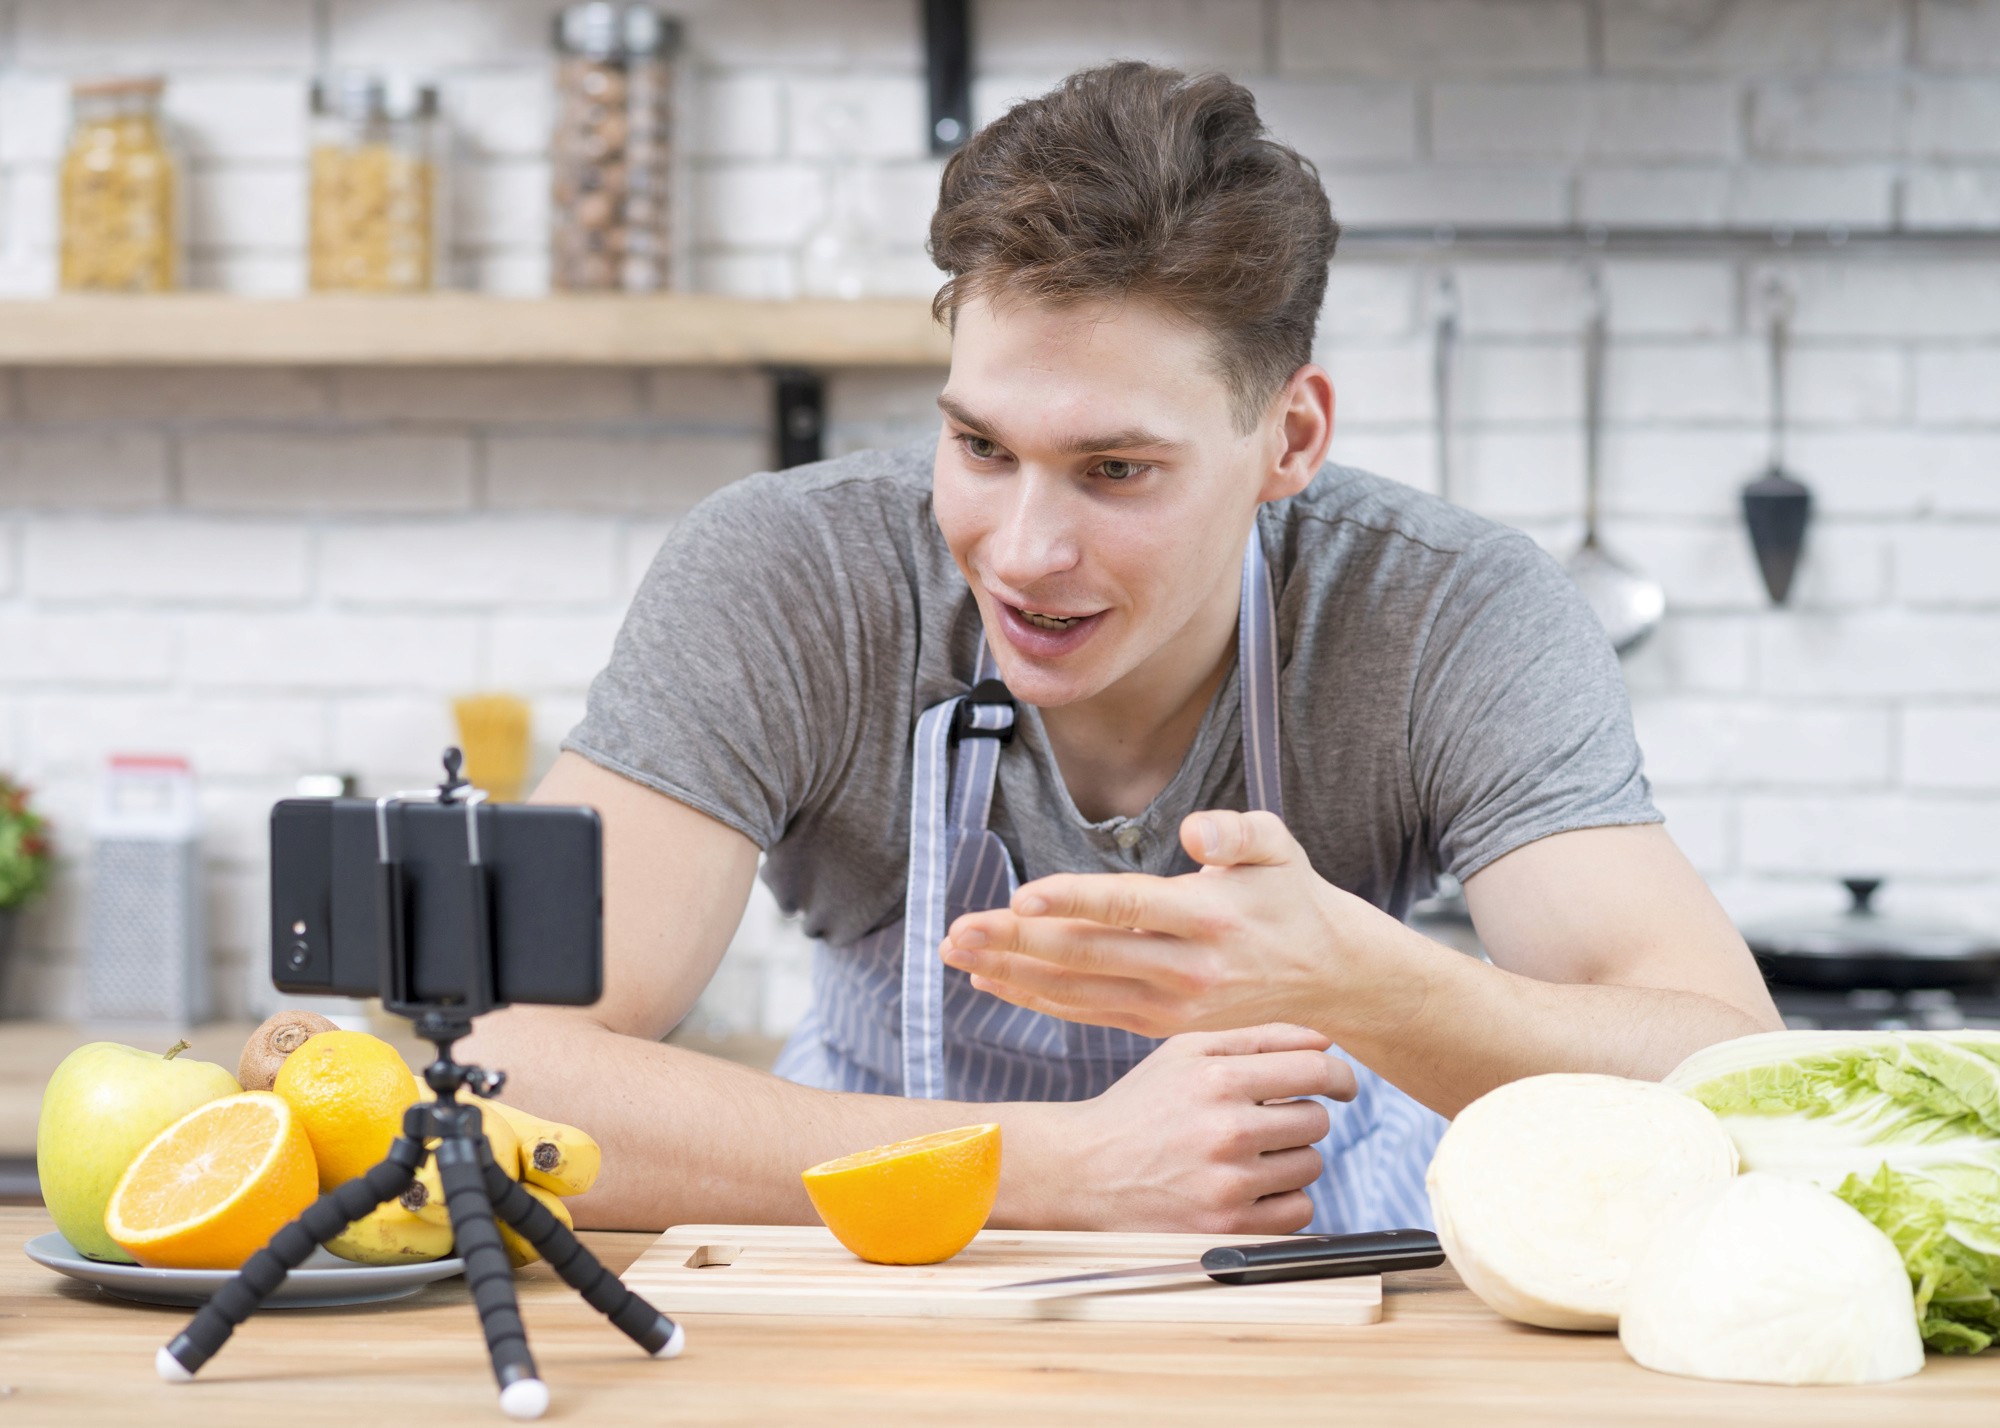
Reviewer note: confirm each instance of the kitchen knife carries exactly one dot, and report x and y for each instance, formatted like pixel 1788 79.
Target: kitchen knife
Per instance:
pixel 1297 1257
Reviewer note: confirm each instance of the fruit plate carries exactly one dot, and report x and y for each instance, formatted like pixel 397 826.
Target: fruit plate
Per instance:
pixel 324 1281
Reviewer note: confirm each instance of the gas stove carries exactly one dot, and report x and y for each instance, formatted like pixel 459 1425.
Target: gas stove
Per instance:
pixel 1883 1010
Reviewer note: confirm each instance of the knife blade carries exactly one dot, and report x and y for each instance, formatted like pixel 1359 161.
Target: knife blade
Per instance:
pixel 1295 1257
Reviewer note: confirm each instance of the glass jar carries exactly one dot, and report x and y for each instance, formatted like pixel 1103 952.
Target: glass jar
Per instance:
pixel 611 150
pixel 376 185
pixel 120 191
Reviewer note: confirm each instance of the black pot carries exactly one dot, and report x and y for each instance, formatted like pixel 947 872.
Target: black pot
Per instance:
pixel 1863 948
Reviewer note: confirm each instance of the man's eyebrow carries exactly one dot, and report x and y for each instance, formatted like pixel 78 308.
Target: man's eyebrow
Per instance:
pixel 1122 440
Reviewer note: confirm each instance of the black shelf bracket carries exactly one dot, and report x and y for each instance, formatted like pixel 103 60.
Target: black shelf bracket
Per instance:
pixel 798 416
pixel 948 67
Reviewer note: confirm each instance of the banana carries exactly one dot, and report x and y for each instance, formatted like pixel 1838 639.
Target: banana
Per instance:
pixel 556 1157
pixel 519 1251
pixel 390 1234
pixel 425 1198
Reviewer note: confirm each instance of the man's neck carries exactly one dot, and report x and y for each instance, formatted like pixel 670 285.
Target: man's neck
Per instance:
pixel 1119 749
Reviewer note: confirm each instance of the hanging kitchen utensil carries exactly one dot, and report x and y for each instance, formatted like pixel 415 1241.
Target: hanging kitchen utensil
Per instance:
pixel 1861 948
pixel 1444 342
pixel 1777 506
pixel 1626 603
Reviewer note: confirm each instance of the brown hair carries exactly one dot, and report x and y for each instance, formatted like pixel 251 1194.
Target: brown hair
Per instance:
pixel 1134 181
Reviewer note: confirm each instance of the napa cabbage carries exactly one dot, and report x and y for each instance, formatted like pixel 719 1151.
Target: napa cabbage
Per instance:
pixel 1903 1126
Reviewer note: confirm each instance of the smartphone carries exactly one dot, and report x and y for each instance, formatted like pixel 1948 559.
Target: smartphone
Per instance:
pixel 543 889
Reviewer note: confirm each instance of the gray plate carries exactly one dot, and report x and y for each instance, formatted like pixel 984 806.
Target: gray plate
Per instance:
pixel 323 1282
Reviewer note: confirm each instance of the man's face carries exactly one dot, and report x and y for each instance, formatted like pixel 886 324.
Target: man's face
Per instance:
pixel 1094 490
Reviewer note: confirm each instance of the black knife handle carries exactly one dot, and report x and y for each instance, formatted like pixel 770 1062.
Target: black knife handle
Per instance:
pixel 1323 1256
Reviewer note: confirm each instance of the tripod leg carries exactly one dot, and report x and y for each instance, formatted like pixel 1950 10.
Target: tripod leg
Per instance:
pixel 488 1274
pixel 642 1323
pixel 265 1270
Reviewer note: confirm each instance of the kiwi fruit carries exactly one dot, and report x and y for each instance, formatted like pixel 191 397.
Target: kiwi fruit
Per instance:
pixel 272 1042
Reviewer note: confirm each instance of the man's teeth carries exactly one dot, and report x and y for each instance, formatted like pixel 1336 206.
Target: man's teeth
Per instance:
pixel 1048 622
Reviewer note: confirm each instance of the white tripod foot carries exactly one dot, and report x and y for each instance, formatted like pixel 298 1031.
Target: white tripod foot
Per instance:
pixel 525 1398
pixel 671 1349
pixel 169 1368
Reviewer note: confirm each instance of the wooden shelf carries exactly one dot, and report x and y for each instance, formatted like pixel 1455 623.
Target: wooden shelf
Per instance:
pixel 468 329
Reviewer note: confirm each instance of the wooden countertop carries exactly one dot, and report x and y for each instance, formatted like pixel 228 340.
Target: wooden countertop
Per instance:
pixel 69 1356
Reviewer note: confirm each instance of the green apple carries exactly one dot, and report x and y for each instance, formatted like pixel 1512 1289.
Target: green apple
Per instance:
pixel 100 1108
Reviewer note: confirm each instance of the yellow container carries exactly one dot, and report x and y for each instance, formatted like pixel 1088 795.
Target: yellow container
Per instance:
pixel 493 730
pixel 120 191
pixel 374 196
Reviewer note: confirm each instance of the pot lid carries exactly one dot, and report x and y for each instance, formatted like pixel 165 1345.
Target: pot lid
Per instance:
pixel 1861 930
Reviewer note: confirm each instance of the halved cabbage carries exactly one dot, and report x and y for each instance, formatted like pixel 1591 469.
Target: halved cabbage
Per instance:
pixel 1546 1190
pixel 1769 1280
pixel 1903 1126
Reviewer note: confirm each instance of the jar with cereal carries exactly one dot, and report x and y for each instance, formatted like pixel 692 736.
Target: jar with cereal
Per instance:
pixel 376 185
pixel 120 192
pixel 611 152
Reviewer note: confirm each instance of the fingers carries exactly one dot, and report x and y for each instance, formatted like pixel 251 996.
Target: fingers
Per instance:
pixel 1250 1040
pixel 1077 996
pixel 983 946
pixel 1288 1125
pixel 1278 1171
pixel 1115 899
pixel 1282 1214
pixel 1278 1075
pixel 1224 838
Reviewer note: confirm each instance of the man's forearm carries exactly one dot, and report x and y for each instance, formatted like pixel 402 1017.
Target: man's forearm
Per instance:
pixel 689 1138
pixel 1450 1027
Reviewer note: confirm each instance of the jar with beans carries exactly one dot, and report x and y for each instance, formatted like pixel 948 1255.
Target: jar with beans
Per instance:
pixel 611 152
pixel 120 191
pixel 375 185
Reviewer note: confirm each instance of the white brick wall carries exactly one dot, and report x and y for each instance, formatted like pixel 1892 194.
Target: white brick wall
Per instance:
pixel 281 570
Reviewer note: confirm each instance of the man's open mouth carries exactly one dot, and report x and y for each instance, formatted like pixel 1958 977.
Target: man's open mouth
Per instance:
pixel 1048 622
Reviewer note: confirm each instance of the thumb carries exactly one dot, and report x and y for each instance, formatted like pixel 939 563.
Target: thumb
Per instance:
pixel 1224 838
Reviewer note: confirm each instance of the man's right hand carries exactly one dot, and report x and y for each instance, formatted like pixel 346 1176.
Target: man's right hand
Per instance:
pixel 1189 1139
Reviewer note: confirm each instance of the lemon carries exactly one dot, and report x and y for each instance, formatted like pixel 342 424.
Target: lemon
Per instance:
pixel 210 1189
pixel 918 1201
pixel 349 1090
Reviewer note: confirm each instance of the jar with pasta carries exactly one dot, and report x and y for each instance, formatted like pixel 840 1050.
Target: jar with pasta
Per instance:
pixel 120 194
pixel 376 185
pixel 611 152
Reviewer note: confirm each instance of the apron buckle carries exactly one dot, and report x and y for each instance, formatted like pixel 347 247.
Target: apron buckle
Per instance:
pixel 985 695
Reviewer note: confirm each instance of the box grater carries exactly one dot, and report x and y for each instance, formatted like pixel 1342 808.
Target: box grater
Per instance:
pixel 147 957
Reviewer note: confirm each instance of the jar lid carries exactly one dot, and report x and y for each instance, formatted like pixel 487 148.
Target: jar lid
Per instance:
pixel 360 94
pixel 117 84
pixel 601 30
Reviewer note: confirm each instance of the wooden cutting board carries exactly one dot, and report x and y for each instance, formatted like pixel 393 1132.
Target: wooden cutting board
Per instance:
pixel 796 1269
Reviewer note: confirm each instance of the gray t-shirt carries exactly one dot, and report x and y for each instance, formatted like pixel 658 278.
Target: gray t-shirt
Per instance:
pixel 1445 694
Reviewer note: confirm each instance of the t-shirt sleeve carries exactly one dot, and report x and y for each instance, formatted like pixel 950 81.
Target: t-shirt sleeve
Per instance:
pixel 731 677
pixel 1520 724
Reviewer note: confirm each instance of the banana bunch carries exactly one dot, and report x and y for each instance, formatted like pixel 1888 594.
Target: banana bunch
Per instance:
pixel 549 1159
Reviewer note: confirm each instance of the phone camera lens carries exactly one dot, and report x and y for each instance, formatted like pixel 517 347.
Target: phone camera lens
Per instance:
pixel 300 954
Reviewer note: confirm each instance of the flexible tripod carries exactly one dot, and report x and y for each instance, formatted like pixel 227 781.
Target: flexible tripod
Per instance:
pixel 475 1188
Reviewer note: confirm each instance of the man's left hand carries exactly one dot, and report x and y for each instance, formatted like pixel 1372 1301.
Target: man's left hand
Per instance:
pixel 1254 936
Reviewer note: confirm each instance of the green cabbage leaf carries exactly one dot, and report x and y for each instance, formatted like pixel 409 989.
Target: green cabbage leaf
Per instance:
pixel 1903 1126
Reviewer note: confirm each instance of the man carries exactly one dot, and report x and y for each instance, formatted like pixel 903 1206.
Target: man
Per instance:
pixel 1252 705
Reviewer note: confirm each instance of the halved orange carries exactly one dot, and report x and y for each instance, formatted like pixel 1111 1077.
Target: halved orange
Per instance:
pixel 211 1188
pixel 917 1201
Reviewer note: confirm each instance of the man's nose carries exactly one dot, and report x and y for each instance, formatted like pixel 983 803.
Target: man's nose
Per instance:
pixel 1034 538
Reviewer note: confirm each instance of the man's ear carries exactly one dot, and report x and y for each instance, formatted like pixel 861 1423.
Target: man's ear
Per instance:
pixel 1298 429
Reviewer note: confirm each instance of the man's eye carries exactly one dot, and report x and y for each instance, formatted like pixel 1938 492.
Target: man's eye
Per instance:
pixel 1120 470
pixel 984 448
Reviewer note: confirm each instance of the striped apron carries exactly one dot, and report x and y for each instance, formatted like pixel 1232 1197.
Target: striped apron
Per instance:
pixel 888 1017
